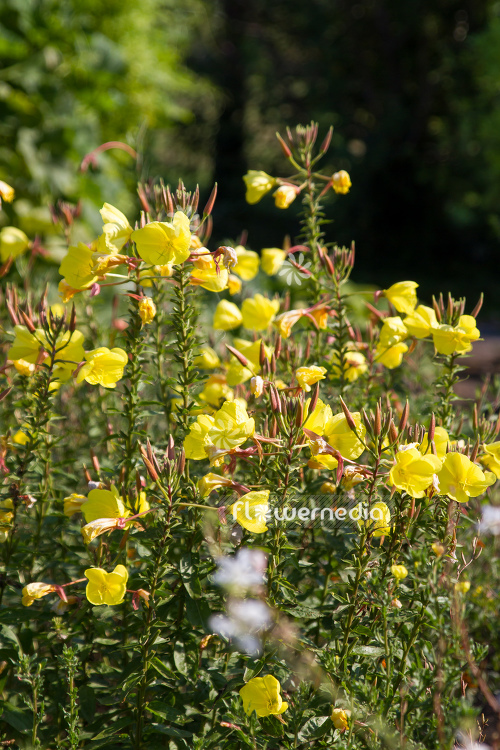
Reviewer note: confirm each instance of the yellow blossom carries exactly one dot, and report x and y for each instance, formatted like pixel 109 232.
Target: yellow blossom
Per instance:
pixel 247 266
pixel 233 284
pixel 285 322
pixel 237 373
pixel 403 296
pixel 73 504
pixel 212 482
pixel 161 242
pixel 341 182
pixel 258 183
pixel 392 332
pixel 456 339
pixel 307 376
pixel 259 312
pixel 97 527
pixel 26 350
pixel 250 511
pixel 106 588
pixel 379 521
pixel 104 504
pixel 262 695
pixel 104 367
pixel 216 390
pixel 491 459
pixel 414 473
pixel 340 718
pixel 147 310
pixel 13 242
pixel 229 428
pixel 6 192
pixel 392 356
pixel 421 322
pixel 116 228
pixel 285 195
pixel 271 260
pixel 441 441
pixel 339 435
pixel 227 316
pixel 328 488
pixel 462 587
pixel 354 365
pixel 438 549
pixel 207 358
pixel 77 267
pixel 209 275
pixel 34 591
pixel 461 479
pixel 399 572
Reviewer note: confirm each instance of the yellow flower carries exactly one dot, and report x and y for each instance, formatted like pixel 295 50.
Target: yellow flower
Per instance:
pixel 116 228
pixel 106 588
pixel 456 339
pixel 233 284
pixel 262 695
pixel 379 521
pixel 341 182
pixel 104 367
pixel 26 350
pixel 461 479
pixel 354 365
pixel 399 572
pixel 77 267
pixel 403 296
pixel 307 376
pixel 259 312
pixel 340 718
pixel 73 504
pixel 441 441
pixel 258 183
pixel 492 458
pixel 97 527
pixel 247 266
pixel 104 504
pixel 207 358
pixel 34 591
pixel 237 373
pixel 13 242
pixel 163 243
pixel 271 260
pixel 250 511
pixel 392 332
pixel 227 429
pixel 352 477
pixel 392 356
pixel 284 196
pixel 212 482
pixel 209 275
pixel 462 587
pixel 328 488
pixel 414 473
pixel 147 310
pixel 285 322
pixel 421 321
pixel 6 192
pixel 340 436
pixel 216 390
pixel 438 549
pixel 227 316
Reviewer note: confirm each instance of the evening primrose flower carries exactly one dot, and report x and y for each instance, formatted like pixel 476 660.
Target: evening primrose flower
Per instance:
pixel 392 332
pixel 259 312
pixel 307 376
pixel 438 549
pixel 262 695
pixel 26 350
pixel 491 459
pixel 209 275
pixel 34 591
pixel 216 390
pixel 104 367
pixel 379 521
pixel 441 441
pixel 258 183
pixel 116 229
pixel 163 243
pixel 106 588
pixel 402 296
pixel 399 572
pixel 238 373
pixel 339 435
pixel 207 358
pixel 227 316
pixel 99 526
pixel 250 511
pixel 211 482
pixel 456 339
pixel 147 310
pixel 233 284
pixel 6 192
pixel 462 587
pixel 341 182
pixel 285 195
pixel 247 266
pixel 460 478
pixel 271 260
pixel 391 356
pixel 285 322
pixel 420 322
pixel 227 429
pixel 13 242
pixel 354 365
pixel 340 718
pixel 73 504
pixel 77 267
pixel 413 473
pixel 104 504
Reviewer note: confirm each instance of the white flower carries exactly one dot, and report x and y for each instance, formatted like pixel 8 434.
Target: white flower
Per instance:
pixel 243 571
pixel 490 521
pixel 244 620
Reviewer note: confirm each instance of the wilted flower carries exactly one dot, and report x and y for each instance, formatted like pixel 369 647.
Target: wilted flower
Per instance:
pixel 341 182
pixel 285 322
pixel 34 591
pixel 340 718
pixel 212 482
pixel 307 376
pixel 6 192
pixel 285 195
pixel 257 386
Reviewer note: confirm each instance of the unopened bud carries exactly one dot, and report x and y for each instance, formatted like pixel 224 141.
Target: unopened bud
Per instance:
pixel 284 146
pixel 432 428
pixel 404 417
pixel 377 422
pixel 348 416
pixel 314 397
pixel 393 433
pixel 211 201
pixel 239 356
pixel 256 386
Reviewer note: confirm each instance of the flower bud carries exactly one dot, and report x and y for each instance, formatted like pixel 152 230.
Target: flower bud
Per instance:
pixel 147 310
pixel 341 182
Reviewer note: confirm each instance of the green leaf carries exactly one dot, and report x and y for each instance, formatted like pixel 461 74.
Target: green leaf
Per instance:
pixel 314 728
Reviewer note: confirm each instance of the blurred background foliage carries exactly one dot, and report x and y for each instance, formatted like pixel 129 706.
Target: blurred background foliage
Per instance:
pixel 199 88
